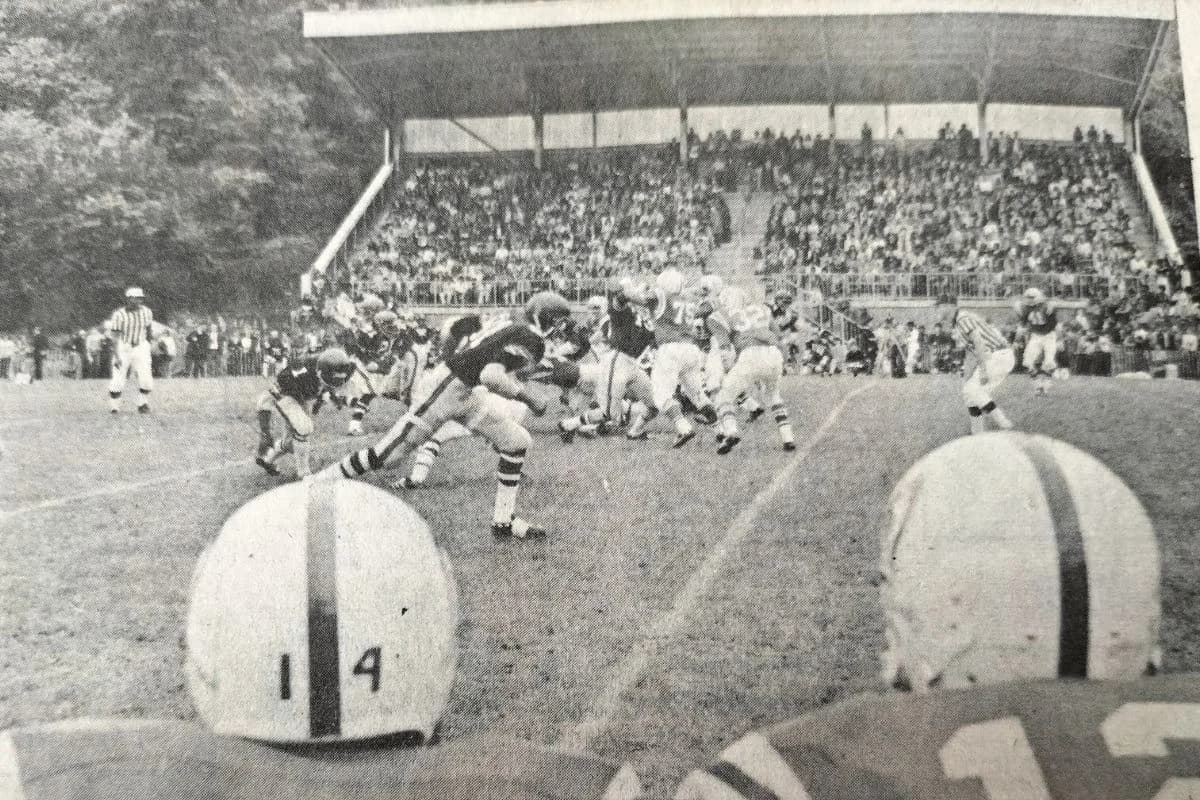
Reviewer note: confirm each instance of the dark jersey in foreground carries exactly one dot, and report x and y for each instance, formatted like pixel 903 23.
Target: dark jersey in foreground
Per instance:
pixel 1062 740
pixel 496 341
pixel 126 760
pixel 299 381
pixel 1040 319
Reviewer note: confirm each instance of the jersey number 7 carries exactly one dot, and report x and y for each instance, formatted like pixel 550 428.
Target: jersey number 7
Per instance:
pixel 998 753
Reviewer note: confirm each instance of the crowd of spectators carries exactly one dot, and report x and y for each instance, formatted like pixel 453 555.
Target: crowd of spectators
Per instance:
pixel 1033 208
pixel 466 232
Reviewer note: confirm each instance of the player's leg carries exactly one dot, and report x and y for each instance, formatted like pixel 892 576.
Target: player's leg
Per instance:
pixel 443 403
pixel 359 391
pixel 511 442
pixel 664 377
pixel 768 375
pixel 264 407
pixel 976 396
pixel 736 384
pixel 609 390
pixel 998 365
pixel 121 364
pixel 428 453
pixel 691 382
pixel 141 364
pixel 639 392
pixel 1033 360
pixel 298 428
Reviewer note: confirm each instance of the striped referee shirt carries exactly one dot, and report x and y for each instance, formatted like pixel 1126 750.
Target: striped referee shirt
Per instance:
pixel 970 326
pixel 131 327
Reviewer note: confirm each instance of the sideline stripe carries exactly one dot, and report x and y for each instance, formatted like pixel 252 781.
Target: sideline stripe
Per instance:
pixel 324 684
pixel 1073 607
pixel 137 486
pixel 631 668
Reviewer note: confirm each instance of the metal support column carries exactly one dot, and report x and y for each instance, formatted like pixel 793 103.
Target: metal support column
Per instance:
pixel 539 139
pixel 983 145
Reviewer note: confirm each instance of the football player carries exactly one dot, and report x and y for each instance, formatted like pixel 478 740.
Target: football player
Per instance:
pixel 787 320
pixel 321 652
pixel 1039 317
pixel 455 331
pixel 1020 586
pixel 994 361
pixel 677 359
pixel 492 360
pixel 275 352
pixel 620 373
pixel 297 393
pixel 758 367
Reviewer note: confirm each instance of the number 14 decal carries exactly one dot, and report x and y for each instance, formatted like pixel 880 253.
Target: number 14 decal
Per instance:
pixel 998 752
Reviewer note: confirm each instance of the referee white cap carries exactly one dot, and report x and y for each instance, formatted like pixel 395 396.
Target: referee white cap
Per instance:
pixel 135 291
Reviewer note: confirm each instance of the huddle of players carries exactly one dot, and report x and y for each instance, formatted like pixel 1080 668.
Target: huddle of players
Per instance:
pixel 1021 633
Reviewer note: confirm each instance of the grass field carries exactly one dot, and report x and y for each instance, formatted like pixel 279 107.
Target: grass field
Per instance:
pixel 682 598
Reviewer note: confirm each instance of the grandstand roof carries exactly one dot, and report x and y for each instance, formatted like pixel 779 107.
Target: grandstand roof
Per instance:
pixel 500 58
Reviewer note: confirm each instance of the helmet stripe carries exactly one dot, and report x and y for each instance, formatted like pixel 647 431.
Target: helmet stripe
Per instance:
pixel 1074 622
pixel 324 683
pixel 740 782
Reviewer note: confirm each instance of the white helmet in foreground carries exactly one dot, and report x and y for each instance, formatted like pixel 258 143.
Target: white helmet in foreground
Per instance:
pixel 669 281
pixel 322 612
pixel 1010 556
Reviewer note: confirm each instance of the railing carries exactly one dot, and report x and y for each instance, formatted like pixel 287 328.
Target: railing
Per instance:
pixel 930 285
pixel 355 228
pixel 1152 209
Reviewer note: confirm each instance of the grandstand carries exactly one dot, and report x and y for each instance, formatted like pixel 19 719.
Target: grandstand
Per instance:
pixel 978 151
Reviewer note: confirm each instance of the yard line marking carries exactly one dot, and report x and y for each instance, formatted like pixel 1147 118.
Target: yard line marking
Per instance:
pixel 631 669
pixel 137 486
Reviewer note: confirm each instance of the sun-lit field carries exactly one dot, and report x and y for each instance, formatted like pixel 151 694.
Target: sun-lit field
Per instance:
pixel 681 599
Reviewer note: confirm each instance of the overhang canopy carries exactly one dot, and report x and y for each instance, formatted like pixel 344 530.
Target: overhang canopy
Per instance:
pixel 510 58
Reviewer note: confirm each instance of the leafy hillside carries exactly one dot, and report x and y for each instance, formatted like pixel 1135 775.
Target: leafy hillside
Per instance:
pixel 197 146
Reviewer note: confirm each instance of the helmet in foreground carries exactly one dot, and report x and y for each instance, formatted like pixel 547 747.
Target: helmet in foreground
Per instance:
pixel 1010 556
pixel 334 366
pixel 547 311
pixel 669 281
pixel 322 612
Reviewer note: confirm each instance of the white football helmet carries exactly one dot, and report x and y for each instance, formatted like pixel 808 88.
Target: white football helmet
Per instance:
pixel 1033 296
pixel 732 299
pixel 322 612
pixel 669 281
pixel 711 286
pixel 1010 556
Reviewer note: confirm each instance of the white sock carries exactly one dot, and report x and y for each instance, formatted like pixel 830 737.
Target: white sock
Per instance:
pixel 506 503
pixel 426 455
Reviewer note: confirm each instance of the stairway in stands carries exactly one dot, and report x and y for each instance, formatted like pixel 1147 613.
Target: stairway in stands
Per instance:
pixel 1142 234
pixel 734 261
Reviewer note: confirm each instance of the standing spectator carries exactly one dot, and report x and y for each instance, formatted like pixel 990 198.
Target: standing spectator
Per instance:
pixel 94 358
pixel 196 352
pixel 38 345
pixel 7 350
pixel 130 329
pixel 163 351
pixel 214 348
pixel 78 346
pixel 867 135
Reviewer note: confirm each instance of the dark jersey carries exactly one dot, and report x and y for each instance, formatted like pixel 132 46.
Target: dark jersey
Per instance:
pixel 1053 740
pixel 368 344
pixel 127 760
pixel 459 331
pixel 299 381
pixel 579 336
pixel 1040 319
pixel 786 319
pixel 625 333
pixel 493 343
pixel 275 348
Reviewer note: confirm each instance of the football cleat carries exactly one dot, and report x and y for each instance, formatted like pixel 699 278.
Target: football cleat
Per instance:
pixel 789 446
pixel 755 414
pixel 517 529
pixel 113 411
pixel 706 415
pixel 683 438
pixel 267 466
pixel 407 483
pixel 355 428
pixel 566 434
pixel 637 436
pixel 144 409
pixel 727 444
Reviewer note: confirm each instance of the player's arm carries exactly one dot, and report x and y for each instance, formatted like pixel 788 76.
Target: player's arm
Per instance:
pixel 499 380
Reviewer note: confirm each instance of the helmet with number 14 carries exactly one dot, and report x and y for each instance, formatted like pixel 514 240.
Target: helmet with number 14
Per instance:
pixel 323 612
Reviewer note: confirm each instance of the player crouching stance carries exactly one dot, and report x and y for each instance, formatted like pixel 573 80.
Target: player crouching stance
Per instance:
pixel 321 652
pixel 297 393
pixel 994 361
pixel 492 359
pixel 1020 588
pixel 759 366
